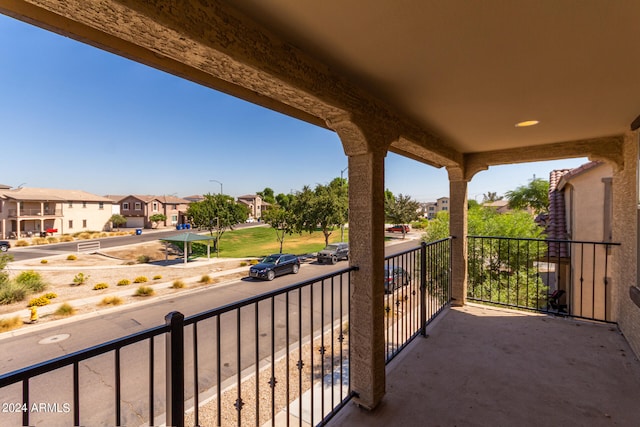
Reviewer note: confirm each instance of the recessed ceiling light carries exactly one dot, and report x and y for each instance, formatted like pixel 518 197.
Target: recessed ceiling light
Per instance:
pixel 527 123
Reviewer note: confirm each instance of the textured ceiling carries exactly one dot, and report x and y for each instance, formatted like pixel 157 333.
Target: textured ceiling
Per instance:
pixel 469 70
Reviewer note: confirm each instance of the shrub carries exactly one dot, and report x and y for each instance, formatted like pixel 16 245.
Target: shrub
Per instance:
pixel 243 264
pixel 11 292
pixel 140 279
pixel 157 277
pixel 114 300
pixel 84 236
pixel 39 241
pixel 80 279
pixel 124 282
pixel 177 284
pixel 253 262
pixel 144 291
pixel 51 295
pixel 99 286
pixel 205 279
pixel 143 259
pixel 9 324
pixel 52 239
pixel 72 257
pixel 32 281
pixel 66 238
pixel 39 301
pixel 43 261
pixel 65 310
pixel 22 243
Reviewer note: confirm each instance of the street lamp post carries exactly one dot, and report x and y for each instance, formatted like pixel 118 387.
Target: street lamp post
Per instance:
pixel 213 180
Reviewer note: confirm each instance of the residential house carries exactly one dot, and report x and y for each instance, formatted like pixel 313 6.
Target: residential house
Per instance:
pixel 580 210
pixel 138 209
pixel 27 211
pixel 500 206
pixel 429 210
pixel 194 198
pixel 255 204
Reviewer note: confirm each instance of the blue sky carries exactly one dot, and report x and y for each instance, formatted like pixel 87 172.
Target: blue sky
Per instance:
pixel 75 117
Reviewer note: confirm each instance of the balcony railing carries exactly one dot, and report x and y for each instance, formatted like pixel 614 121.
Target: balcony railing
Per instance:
pixel 414 298
pixel 565 277
pixel 35 212
pixel 283 355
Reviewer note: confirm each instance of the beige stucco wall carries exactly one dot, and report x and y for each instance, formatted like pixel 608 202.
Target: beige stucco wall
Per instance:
pixel 625 231
pixel 97 217
pixel 585 205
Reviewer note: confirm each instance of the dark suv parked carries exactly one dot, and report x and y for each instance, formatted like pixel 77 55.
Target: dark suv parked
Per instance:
pixel 4 245
pixel 275 265
pixel 334 253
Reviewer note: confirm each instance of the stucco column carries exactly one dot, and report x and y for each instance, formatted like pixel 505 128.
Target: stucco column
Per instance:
pixel 366 150
pixel 458 229
pixel 625 231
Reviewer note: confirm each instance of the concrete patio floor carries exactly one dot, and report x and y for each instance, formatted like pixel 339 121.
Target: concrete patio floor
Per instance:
pixel 484 366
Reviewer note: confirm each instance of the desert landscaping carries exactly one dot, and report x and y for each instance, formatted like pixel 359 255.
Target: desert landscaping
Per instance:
pixel 112 266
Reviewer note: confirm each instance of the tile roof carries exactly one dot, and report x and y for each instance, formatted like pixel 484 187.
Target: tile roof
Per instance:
pixel 51 194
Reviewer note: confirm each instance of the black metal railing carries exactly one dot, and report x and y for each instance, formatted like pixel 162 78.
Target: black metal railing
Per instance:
pixel 548 275
pixel 417 288
pixel 284 352
pixel 280 358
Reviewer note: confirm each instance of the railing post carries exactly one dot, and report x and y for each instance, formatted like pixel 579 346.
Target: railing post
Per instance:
pixel 423 289
pixel 175 369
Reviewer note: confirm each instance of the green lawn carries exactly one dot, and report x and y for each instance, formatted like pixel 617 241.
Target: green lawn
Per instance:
pixel 261 241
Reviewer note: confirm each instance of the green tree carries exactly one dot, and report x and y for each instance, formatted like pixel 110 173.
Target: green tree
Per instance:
pixel 535 195
pixel 217 213
pixel 284 200
pixel 499 269
pixel 117 220
pixel 283 221
pixel 401 210
pixel 325 207
pixel 267 195
pixel 156 218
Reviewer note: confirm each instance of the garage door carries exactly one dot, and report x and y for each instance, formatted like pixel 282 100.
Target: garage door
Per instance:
pixel 135 222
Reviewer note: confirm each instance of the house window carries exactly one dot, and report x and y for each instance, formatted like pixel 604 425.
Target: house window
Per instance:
pixel 174 219
pixel 138 206
pixel 70 224
pixel 100 205
pixel 84 204
pixel 70 204
pixel 155 206
pixel 125 206
pixel 84 223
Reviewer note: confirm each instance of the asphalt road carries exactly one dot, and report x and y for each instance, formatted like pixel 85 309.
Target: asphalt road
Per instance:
pixel 97 376
pixel 24 253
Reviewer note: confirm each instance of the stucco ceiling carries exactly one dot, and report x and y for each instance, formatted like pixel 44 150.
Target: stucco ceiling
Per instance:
pixel 470 70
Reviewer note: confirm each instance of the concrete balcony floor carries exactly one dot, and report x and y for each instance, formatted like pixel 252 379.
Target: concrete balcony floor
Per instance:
pixel 483 366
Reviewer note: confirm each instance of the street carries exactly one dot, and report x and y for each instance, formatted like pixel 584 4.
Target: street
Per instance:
pixel 56 340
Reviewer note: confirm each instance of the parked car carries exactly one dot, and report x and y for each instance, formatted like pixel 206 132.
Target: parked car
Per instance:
pixel 275 265
pixel 399 228
pixel 394 278
pixel 334 253
pixel 4 245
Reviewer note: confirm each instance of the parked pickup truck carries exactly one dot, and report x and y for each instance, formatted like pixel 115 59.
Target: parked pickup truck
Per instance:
pixel 334 253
